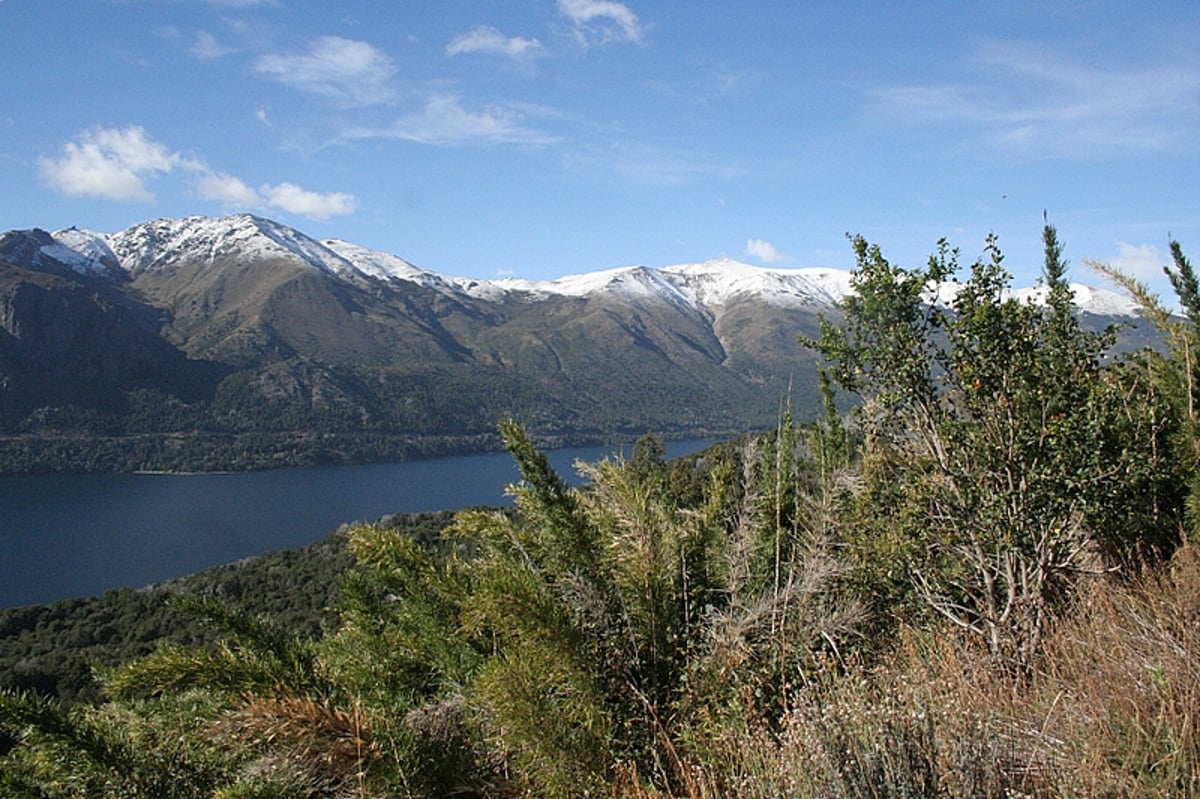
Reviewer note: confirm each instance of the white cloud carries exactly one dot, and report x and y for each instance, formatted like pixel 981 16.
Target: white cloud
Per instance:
pixel 444 121
pixel 1026 99
pixel 486 39
pixel 601 21
pixel 764 251
pixel 206 46
pixel 346 71
pixel 115 163
pixel 227 190
pixel 295 200
pixel 110 162
pixel 234 192
pixel 1143 261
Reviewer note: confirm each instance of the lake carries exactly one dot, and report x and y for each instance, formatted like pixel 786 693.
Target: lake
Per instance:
pixel 81 535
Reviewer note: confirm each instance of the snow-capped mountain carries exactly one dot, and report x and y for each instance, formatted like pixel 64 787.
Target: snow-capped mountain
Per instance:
pixel 83 251
pixel 250 238
pixel 157 244
pixel 704 285
pixel 210 328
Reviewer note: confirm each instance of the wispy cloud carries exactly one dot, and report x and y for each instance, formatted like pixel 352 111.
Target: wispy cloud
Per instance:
pixel 648 164
pixel 346 71
pixel 764 251
pixel 117 164
pixel 707 85
pixel 1143 261
pixel 206 46
pixel 490 41
pixel 601 21
pixel 444 121
pixel 1026 99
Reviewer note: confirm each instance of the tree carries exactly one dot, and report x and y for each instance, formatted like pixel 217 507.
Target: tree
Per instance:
pixel 1001 448
pixel 608 618
pixel 1175 375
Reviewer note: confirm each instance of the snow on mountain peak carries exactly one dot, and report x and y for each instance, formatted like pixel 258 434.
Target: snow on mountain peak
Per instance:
pixel 628 281
pixel 374 263
pixel 152 244
pixel 1087 298
pixel 84 251
pixel 720 281
pixel 385 266
pixel 708 284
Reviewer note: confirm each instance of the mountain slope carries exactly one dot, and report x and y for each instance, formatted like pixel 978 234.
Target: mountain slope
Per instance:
pixel 255 344
pixel 68 341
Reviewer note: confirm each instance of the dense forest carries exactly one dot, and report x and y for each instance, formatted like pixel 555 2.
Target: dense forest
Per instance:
pixel 982 582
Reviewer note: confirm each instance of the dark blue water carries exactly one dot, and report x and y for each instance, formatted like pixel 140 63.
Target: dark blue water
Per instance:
pixel 81 535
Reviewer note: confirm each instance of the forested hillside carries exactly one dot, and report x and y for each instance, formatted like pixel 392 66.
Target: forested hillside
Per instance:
pixel 54 649
pixel 982 582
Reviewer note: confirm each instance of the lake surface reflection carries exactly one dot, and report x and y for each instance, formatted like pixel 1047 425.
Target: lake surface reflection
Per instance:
pixel 81 535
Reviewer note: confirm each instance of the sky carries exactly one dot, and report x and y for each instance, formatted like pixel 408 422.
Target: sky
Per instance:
pixel 540 138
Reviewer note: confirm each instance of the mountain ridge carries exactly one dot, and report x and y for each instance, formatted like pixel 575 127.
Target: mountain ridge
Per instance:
pixel 238 342
pixel 712 282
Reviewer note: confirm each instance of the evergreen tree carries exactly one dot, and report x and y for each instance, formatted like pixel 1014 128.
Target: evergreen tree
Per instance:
pixel 1172 381
pixel 1001 454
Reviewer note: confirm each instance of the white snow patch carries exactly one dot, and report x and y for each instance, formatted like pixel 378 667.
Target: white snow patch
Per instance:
pixel 82 250
pixel 1086 298
pixel 152 244
pixel 718 282
pixel 385 266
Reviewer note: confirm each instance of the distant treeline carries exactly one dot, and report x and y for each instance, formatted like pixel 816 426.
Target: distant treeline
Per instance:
pixel 199 451
pixel 156 434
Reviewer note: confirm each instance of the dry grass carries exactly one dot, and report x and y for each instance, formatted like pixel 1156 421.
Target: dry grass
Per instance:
pixel 1125 672
pixel 323 746
pixel 1112 712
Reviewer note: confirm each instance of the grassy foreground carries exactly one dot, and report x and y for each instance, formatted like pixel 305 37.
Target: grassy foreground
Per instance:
pixel 1111 712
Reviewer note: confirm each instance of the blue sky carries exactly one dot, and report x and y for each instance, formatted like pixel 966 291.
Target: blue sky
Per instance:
pixel 539 138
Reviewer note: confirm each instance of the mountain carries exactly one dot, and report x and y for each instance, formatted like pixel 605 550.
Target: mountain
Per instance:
pixel 238 342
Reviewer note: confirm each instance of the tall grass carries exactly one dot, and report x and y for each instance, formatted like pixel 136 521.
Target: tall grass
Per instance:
pixel 1127 669
pixel 1112 711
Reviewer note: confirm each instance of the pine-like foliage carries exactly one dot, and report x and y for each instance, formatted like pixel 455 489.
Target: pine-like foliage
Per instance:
pixel 1173 377
pixel 587 634
pixel 111 752
pixel 596 603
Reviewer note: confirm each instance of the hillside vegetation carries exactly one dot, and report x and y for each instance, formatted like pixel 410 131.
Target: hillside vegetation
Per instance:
pixel 981 583
pixel 53 649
